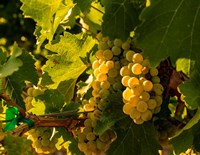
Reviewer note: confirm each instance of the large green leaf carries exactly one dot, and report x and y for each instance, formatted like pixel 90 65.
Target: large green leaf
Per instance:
pixel 47 13
pixel 16 81
pixel 186 137
pixel 66 64
pixel 12 64
pixel 137 139
pixel 120 18
pixel 170 29
pixel 2 57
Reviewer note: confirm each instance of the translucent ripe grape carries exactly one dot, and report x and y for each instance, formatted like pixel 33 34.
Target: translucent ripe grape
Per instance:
pixel 145 96
pixel 134 114
pixel 138 121
pixel 99 36
pixel 145 70
pixel 88 107
pixel 92 101
pixel 124 80
pixel 95 64
pixel 151 104
pixel 129 55
pixel 88 122
pixel 154 71
pixel 134 100
pixel 137 58
pixel 95 93
pixel 116 50
pixel 142 106
pixel 81 137
pixel 127 93
pixel 158 89
pixel 146 116
pixel 96 72
pixel 124 71
pixel 101 77
pixel 92 146
pixel 108 54
pixel 103 68
pixel 137 69
pixel 137 89
pixel 147 85
pixel 105 85
pixel 127 108
pixel 99 54
pixel 87 130
pixel 132 81
pixel 96 85
pixel 110 64
pixel 82 146
pixel 112 72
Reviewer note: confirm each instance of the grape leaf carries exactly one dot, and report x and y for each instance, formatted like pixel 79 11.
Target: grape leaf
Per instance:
pixel 83 5
pixel 16 82
pixel 47 14
pixel 66 63
pixel 2 57
pixel 112 114
pixel 185 138
pixel 66 88
pixel 120 18
pixel 16 145
pixel 53 100
pixel 137 139
pixel 12 64
pixel 170 29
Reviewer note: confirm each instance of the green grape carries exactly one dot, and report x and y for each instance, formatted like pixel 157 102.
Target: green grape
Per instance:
pixel 91 136
pixel 104 93
pixel 155 79
pixel 146 63
pixel 99 54
pixel 126 45
pixel 88 122
pixel 87 130
pixel 127 108
pixel 108 54
pixel 110 64
pixel 117 65
pixel 101 77
pixel 145 96
pixel 95 64
pixel 124 80
pixel 117 42
pixel 158 89
pixel 101 145
pixel 130 65
pixel 105 85
pixel 92 146
pixel 103 46
pixel 127 93
pixel 159 100
pixel 129 55
pixel 133 81
pixel 147 85
pixel 111 80
pixel 134 114
pixel 153 71
pixel 116 50
pixel 112 72
pixel 117 86
pixel 81 137
pixel 152 104
pixel 124 62
pixel 137 58
pixel 137 89
pixel 124 71
pixel 133 100
pixel 103 68
pixel 110 43
pixel 97 114
pixel 157 110
pixel 137 69
pixel 142 106
pixel 104 137
pixel 146 116
pixel 82 146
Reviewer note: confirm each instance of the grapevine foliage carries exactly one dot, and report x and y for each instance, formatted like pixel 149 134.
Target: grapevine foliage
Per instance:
pixel 68 87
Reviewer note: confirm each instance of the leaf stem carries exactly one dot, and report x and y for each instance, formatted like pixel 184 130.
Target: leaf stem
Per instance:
pixel 97 9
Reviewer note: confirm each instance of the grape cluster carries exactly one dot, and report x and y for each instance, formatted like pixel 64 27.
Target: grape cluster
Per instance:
pixel 43 141
pixel 29 94
pixel 143 93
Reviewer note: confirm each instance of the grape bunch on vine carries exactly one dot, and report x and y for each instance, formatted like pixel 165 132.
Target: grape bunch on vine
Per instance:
pixel 97 77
